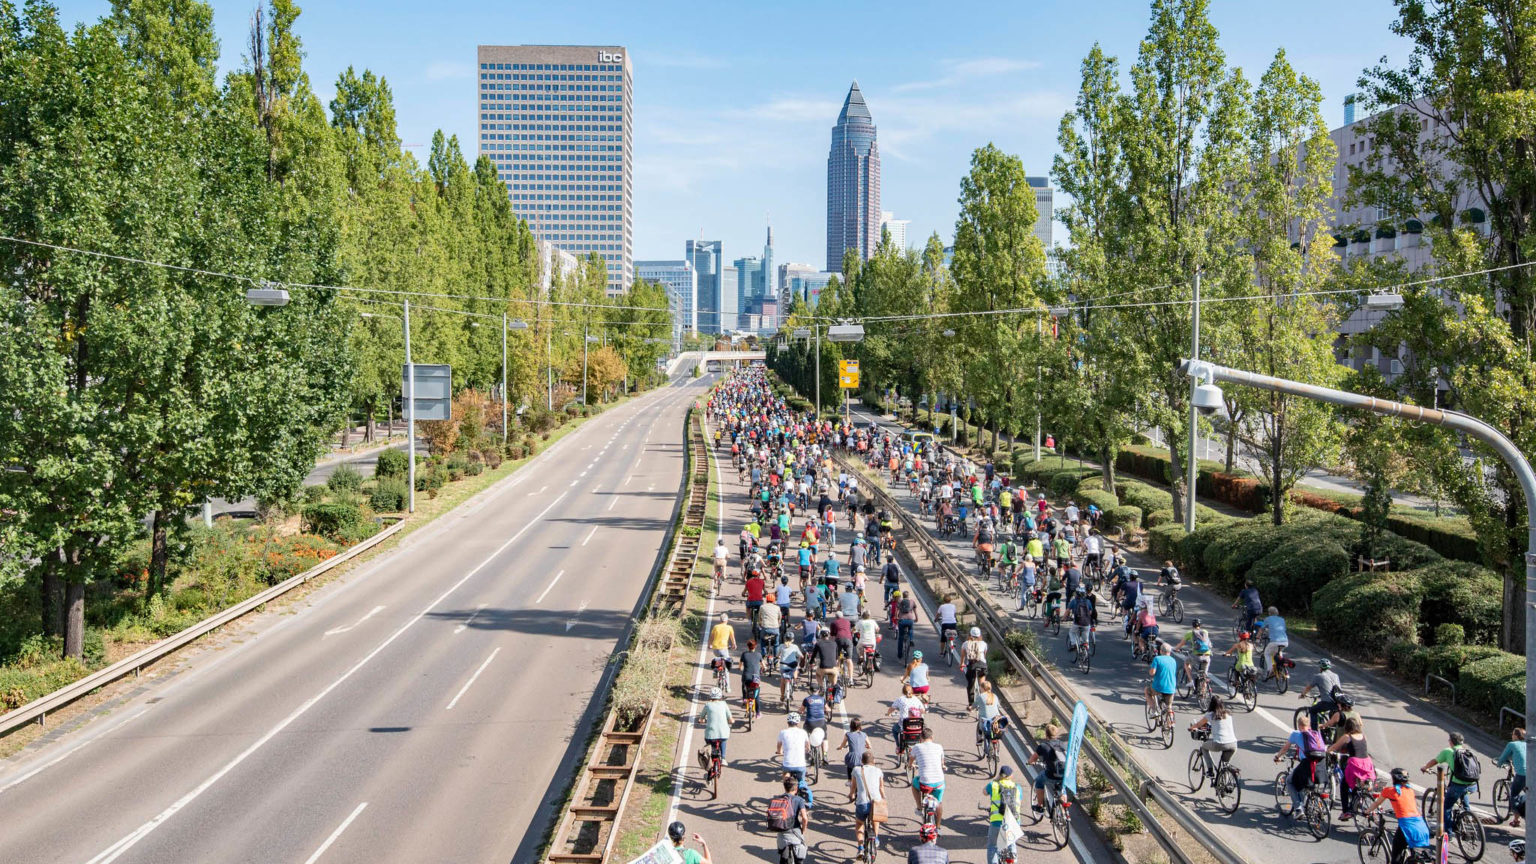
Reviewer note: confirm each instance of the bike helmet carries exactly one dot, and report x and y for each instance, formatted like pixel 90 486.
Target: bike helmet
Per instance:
pixel 825 631
pixel 917 655
pixel 1246 635
pixel 793 718
pixel 1344 700
pixel 975 632
pixel 930 833
pixel 1399 776
pixel 677 832
pixel 1195 623
pixel 1082 589
pixel 1517 849
pixel 716 693
pixel 1325 664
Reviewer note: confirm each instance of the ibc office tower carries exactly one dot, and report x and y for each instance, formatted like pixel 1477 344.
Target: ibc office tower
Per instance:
pixel 853 184
pixel 557 120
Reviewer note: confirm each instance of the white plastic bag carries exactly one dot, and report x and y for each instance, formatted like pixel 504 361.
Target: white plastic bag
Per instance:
pixel 1012 832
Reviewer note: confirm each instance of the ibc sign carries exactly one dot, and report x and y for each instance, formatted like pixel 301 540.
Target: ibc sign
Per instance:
pixel 610 57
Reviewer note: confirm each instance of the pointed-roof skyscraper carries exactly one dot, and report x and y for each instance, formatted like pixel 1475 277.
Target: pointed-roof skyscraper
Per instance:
pixel 853 183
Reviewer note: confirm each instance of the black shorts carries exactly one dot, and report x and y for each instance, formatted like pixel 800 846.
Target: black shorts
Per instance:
pixel 845 647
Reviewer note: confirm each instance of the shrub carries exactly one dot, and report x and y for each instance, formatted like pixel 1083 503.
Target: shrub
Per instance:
pixel 1456 592
pixel 392 463
pixel 1163 540
pixel 345 478
pixel 1405 554
pixel 1400 655
pixel 1103 500
pixel 1064 483
pixel 1229 542
pixel 1138 494
pixel 1368 610
pixel 475 468
pixel 312 495
pixel 1125 516
pixel 390 495
pixel 343 523
pixel 1493 682
pixel 431 480
pixel 492 458
pixel 1291 574
pixel 515 452
pixel 1192 546
pixel 1158 517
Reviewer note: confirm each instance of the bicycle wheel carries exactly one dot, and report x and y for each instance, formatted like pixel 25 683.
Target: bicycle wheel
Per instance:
pixel 1061 826
pixel 1316 814
pixel 1250 692
pixel 1186 684
pixel 1196 771
pixel 1371 847
pixel 1282 792
pixel 1178 610
pixel 1056 626
pixel 1167 732
pixel 1282 681
pixel 1501 800
pixel 751 709
pixel 714 780
pixel 949 655
pixel 869 676
pixel 1297 715
pixel 1151 715
pixel 1084 658
pixel 992 759
pixel 1470 839
pixel 1229 789
pixel 813 766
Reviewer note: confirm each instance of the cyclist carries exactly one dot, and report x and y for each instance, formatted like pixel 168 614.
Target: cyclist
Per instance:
pixel 1034 548
pixel 826 650
pixel 849 601
pixel 1309 748
pixel 1051 755
pixel 754 590
pixel 1093 550
pixel 1146 624
pixel 1462 773
pixel 1326 684
pixel 716 719
pixel 868 635
pixel 1242 654
pixel 722 641
pixel 1274 627
pixel 752 675
pixel 1003 801
pixel 842 635
pixel 1248 601
pixel 1223 736
pixel 906 619
pixel 928 756
pixel 1027 577
pixel 904 707
pixel 1063 551
pixel 929 851
pixel 805 560
pixel 1514 757
pixel 949 620
pixel 856 742
pixel 973 653
pixel 1412 832
pixel 676 832
pixel 1357 766
pixel 890 577
pixel 917 676
pixel 1085 616
pixel 796 813
pixel 721 556
pixel 770 622
pixel 1344 711
pixel 793 742
pixel 986 707
pixel 866 785
pixel 789 664
pixel 1164 679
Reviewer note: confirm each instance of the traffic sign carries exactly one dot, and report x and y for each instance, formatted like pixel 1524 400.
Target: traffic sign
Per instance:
pixel 848 374
pixel 434 391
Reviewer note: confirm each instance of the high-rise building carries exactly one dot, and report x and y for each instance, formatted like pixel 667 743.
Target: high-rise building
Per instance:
pixel 682 292
pixel 897 229
pixel 768 291
pixel 853 183
pixel 1045 208
pixel 554 262
pixel 789 288
pixel 730 295
pixel 708 267
pixel 557 121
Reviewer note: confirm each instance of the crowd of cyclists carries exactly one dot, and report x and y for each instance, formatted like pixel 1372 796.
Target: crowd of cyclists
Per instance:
pixel 1052 563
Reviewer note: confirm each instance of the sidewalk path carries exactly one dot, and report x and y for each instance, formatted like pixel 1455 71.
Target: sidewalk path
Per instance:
pixel 1401 731
pixel 735 823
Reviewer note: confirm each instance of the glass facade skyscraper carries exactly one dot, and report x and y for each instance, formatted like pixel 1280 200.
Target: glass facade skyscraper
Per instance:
pixel 557 122
pixel 853 183
pixel 707 266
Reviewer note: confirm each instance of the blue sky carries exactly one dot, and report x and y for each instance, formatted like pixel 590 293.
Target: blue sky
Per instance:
pixel 734 102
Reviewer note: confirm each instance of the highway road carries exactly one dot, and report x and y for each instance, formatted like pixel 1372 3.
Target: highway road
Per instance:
pixel 1401 731
pixel 426 707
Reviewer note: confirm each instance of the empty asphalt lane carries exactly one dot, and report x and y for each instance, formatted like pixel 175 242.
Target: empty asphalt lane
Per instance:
pixel 356 743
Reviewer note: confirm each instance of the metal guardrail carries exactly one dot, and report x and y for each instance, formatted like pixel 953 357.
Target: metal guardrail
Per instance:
pixel 1044 681
pixel 37 710
pixel 1449 684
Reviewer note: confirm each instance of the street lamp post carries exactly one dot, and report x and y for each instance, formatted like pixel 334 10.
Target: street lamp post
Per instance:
pixel 410 413
pixel 1454 420
pixel 1194 414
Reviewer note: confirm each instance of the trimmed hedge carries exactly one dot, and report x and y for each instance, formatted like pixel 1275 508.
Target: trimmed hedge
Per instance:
pixel 1124 516
pixel 1138 494
pixel 1443 660
pixel 1456 592
pixel 1291 574
pixel 1163 540
pixel 1369 611
pixel 1158 517
pixel 1102 500
pixel 1492 683
pixel 392 463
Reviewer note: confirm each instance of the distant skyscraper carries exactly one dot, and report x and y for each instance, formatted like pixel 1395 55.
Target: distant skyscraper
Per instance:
pixel 789 287
pixel 682 291
pixel 897 227
pixel 1045 208
pixel 707 266
pixel 730 295
pixel 853 183
pixel 535 102
pixel 769 292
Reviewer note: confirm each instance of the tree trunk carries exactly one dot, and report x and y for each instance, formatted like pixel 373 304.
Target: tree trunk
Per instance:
pixel 1277 495
pixel 74 617
pixel 1231 444
pixel 159 555
pixel 370 432
pixel 346 431
pixel 1107 469
pixel 1176 482
pixel 53 596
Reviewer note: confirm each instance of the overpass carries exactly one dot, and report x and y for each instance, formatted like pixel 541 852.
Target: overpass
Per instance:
pixel 685 361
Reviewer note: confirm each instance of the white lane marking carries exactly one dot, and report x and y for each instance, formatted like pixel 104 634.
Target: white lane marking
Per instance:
pixel 571 622
pixel 589 535
pixel 612 502
pixel 376 610
pixel 540 492
pixel 469 620
pixel 334 834
pixel 471 681
pixel 582 474
pixel 551 585
pixel 116 850
pixel 627 478
pixel 70 752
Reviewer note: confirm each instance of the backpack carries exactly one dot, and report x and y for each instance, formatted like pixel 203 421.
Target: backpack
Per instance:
pixel 780 808
pixel 1313 743
pixel 1465 768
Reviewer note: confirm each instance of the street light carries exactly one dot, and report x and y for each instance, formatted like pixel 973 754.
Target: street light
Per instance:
pixel 1384 300
pixel 845 333
pixel 1454 420
pixel 268 294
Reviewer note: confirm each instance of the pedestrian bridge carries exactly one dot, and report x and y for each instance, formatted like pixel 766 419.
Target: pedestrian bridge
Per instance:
pixel 734 356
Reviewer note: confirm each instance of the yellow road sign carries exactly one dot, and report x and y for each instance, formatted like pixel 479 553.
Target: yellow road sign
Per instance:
pixel 848 374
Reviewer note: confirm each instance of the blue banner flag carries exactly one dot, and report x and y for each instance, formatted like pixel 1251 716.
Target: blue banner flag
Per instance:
pixel 1075 745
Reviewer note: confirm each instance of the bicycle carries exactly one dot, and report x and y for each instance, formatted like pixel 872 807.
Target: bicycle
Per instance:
pixel 815 754
pixel 1501 787
pixel 870 663
pixel 1244 684
pixel 1057 809
pixel 1169 605
pixel 749 701
pixel 712 769
pixel 1082 655
pixel 947 648
pixel 1316 813
pixel 719 576
pixel 1030 602
pixel 1374 844
pixel 1160 719
pixel 1053 619
pixel 1226 782
pixel 1195 686
pixel 1281 671
pixel 870 848
pixel 722 674
pixel 1466 827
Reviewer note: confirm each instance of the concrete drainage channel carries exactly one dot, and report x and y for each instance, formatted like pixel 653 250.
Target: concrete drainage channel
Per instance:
pixel 587 828
pixel 1133 785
